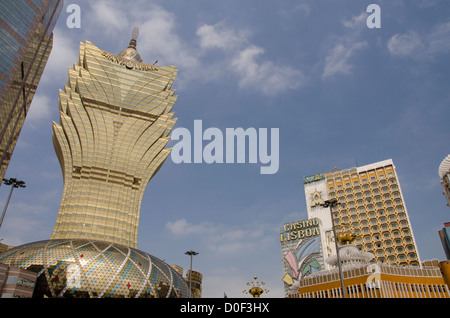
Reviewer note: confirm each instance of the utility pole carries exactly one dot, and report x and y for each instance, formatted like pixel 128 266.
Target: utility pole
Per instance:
pixel 332 203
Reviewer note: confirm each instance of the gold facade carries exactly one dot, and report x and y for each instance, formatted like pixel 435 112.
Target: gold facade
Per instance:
pixel 371 202
pixel 115 120
pixel 26 41
pixel 194 280
pixel 93 269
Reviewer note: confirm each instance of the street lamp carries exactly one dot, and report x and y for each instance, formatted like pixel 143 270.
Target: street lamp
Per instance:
pixel 191 253
pixel 14 183
pixel 332 203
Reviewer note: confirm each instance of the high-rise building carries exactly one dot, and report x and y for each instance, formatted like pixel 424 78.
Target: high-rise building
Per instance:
pixel 115 119
pixel 26 40
pixel 372 204
pixel 444 235
pixel 444 174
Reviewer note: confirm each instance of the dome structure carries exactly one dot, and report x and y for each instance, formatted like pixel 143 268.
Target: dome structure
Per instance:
pixel 131 53
pixel 95 269
pixel 444 167
pixel 350 256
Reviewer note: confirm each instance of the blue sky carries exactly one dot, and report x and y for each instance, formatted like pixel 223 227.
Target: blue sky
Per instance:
pixel 340 93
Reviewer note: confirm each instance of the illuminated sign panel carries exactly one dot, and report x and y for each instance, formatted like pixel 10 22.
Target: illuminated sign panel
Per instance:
pixel 301 252
pixel 316 177
pixel 300 229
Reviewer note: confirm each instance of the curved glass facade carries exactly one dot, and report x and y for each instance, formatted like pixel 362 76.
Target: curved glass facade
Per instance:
pixel 26 40
pixel 95 269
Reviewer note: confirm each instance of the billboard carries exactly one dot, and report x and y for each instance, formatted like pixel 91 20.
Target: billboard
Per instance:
pixel 301 252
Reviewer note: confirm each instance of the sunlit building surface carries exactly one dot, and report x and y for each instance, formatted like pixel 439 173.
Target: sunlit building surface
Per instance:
pixel 194 279
pixel 26 41
pixel 444 174
pixel 372 204
pixel 16 282
pixel 376 281
pixel 359 277
pixel 444 235
pixel 93 269
pixel 115 120
pixel 377 251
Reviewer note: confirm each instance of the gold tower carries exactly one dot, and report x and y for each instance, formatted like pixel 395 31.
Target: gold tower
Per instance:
pixel 115 120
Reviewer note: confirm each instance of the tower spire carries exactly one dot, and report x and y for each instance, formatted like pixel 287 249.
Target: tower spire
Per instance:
pixel 131 53
pixel 134 36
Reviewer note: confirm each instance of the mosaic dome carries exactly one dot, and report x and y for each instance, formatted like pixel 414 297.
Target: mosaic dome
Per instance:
pixel 94 269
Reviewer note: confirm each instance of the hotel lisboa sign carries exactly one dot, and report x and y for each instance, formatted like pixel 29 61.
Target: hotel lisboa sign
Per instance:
pixel 300 251
pixel 299 230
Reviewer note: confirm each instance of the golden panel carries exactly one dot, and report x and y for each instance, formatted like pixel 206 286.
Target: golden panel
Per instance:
pixel 115 121
pixel 92 269
pixel 371 202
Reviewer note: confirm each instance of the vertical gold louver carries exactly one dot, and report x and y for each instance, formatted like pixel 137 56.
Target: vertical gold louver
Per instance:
pixel 115 120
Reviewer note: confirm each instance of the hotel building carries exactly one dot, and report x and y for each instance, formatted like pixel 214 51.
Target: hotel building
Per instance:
pixel 372 204
pixel 115 119
pixel 26 40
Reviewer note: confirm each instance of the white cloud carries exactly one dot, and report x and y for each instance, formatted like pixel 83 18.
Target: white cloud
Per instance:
pixel 219 36
pixel 220 239
pixel 109 15
pixel 63 55
pixel 439 39
pixel 265 75
pixel 405 44
pixel 40 110
pixel 201 60
pixel 421 46
pixel 356 21
pixel 159 38
pixel 182 228
pixel 246 60
pixel 338 59
pixel 303 7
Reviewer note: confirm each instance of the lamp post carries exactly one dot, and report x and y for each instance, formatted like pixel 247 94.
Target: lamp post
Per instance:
pixel 191 253
pixel 14 183
pixel 332 203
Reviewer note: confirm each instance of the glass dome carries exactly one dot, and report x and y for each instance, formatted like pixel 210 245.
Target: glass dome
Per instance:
pixel 94 269
pixel 131 53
